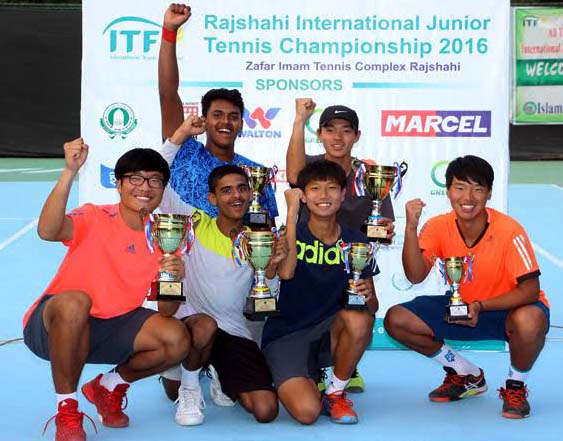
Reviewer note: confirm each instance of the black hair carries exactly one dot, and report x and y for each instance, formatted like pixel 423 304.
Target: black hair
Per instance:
pixel 140 159
pixel 470 168
pixel 222 171
pixel 321 170
pixel 231 95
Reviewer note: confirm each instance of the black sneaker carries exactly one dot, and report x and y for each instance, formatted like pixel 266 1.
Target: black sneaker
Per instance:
pixel 455 387
pixel 515 404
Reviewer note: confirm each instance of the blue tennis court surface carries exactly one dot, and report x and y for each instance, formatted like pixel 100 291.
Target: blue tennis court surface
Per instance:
pixel 394 407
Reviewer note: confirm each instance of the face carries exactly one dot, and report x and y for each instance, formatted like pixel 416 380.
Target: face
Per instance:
pixel 140 197
pixel 232 196
pixel 323 198
pixel 338 138
pixel 224 122
pixel 468 199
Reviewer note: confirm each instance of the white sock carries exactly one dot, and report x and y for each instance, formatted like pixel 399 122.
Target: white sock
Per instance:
pixel 62 397
pixel 448 357
pixel 111 379
pixel 190 379
pixel 516 375
pixel 336 384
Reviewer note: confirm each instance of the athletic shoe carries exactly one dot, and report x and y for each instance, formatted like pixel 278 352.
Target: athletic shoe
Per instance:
pixel 217 395
pixel 322 375
pixel 190 405
pixel 69 422
pixel 455 387
pixel 356 384
pixel 108 404
pixel 515 403
pixel 339 408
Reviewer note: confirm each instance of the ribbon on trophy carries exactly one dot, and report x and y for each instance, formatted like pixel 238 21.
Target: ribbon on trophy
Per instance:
pixel 273 173
pixel 148 227
pixel 469 274
pixel 345 251
pixel 190 237
pixel 358 187
pixel 439 264
pixel 399 185
pixel 236 251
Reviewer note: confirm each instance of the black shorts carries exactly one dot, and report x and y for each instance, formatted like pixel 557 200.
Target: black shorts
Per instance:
pixel 240 364
pixel 111 340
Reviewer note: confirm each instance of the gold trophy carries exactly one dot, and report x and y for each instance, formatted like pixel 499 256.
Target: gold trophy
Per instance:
pixel 257 247
pixel 356 256
pixel 170 233
pixel 258 178
pixel 377 181
pixel 453 270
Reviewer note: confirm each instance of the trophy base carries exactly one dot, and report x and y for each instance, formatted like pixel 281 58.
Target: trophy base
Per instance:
pixel 257 309
pixel 166 291
pixel 375 233
pixel 257 221
pixel 355 302
pixel 457 313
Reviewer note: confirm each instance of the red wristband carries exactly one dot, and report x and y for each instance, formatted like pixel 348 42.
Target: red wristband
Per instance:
pixel 169 35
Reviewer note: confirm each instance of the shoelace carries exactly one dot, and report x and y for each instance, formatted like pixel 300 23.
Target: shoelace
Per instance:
pixel 339 401
pixel 188 398
pixel 515 397
pixel 115 398
pixel 70 418
pixel 450 379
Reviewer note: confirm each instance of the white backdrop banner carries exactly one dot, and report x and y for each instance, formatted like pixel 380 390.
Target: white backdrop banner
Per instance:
pixel 429 80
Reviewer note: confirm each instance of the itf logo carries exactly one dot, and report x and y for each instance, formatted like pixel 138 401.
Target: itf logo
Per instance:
pixel 436 123
pixel 258 118
pixel 107 177
pixel 132 38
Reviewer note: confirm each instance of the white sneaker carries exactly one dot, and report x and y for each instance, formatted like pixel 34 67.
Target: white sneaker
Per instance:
pixel 190 405
pixel 217 395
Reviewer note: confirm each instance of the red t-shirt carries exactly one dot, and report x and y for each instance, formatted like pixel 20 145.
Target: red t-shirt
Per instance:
pixel 503 257
pixel 107 260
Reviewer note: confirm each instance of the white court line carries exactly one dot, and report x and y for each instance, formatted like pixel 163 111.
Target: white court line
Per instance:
pixel 548 255
pixel 18 234
pixel 44 170
pixel 10 170
pixel 558 187
pixel 16 218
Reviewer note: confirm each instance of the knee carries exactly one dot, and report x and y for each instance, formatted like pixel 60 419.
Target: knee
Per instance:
pixel 394 320
pixel 266 412
pixel 72 307
pixel 203 332
pixel 307 415
pixel 528 323
pixel 264 408
pixel 177 342
pixel 358 325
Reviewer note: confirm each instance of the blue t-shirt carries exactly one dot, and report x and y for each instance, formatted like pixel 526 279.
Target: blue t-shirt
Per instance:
pixel 317 289
pixel 189 172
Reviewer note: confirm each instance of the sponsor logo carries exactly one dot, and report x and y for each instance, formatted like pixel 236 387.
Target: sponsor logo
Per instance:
pixel 313 123
pixel 118 120
pixel 317 254
pixel 436 123
pixel 107 177
pixel 450 356
pixel 438 176
pixel 539 108
pixel 400 282
pixel 259 123
pixel 190 109
pixel 530 21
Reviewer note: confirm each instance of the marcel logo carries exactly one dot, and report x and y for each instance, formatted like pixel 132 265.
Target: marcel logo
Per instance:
pixel 436 123
pixel 318 254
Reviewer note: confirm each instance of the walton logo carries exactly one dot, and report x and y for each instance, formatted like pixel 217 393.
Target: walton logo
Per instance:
pixel 107 177
pixel 258 116
pixel 436 123
pixel 118 120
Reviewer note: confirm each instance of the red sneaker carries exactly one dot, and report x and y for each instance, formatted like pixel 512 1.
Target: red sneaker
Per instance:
pixel 69 422
pixel 339 408
pixel 107 403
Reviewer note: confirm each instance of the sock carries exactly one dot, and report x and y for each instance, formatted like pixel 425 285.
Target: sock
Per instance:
pixel 336 384
pixel 62 397
pixel 112 379
pixel 448 357
pixel 190 379
pixel 516 375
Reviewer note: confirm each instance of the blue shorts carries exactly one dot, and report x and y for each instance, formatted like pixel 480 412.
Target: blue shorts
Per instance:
pixel 491 324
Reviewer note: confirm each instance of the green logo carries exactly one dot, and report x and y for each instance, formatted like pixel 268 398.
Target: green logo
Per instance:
pixel 118 120
pixel 530 108
pixel 313 123
pixel 400 282
pixel 438 173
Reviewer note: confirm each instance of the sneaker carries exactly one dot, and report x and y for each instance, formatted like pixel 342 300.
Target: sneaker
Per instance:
pixel 339 408
pixel 322 376
pixel 515 403
pixel 455 387
pixel 108 404
pixel 217 395
pixel 190 405
pixel 356 384
pixel 69 422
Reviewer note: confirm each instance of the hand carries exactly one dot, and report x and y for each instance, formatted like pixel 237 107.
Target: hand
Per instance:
pixel 292 199
pixel 389 226
pixel 192 126
pixel 474 310
pixel 304 108
pixel 76 153
pixel 174 265
pixel 281 250
pixel 364 289
pixel 413 211
pixel 176 15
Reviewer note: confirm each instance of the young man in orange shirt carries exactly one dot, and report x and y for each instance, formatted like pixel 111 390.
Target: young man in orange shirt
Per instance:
pixel 91 311
pixel 504 297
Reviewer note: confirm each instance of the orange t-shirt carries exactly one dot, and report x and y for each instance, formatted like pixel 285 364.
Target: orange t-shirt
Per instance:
pixel 503 256
pixel 107 260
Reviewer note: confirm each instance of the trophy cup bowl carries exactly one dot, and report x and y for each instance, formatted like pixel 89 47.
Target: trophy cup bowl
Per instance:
pixel 258 248
pixel 358 255
pixel 378 180
pixel 258 178
pixel 457 309
pixel 169 232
